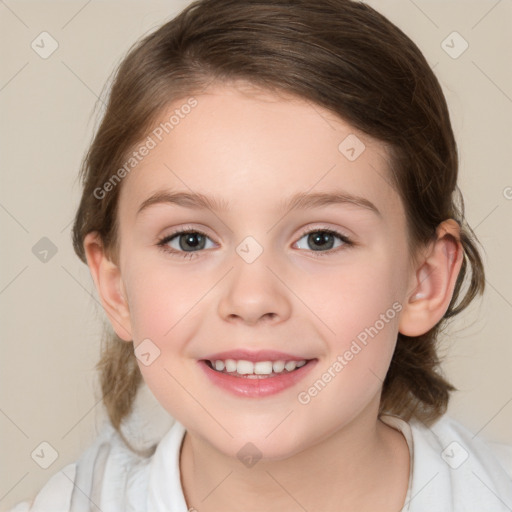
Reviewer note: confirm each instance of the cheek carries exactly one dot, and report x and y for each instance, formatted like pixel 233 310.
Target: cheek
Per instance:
pixel 160 299
pixel 161 310
pixel 354 296
pixel 166 309
pixel 363 310
pixel 363 307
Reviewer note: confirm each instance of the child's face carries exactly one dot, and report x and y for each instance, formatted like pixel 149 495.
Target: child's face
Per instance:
pixel 253 153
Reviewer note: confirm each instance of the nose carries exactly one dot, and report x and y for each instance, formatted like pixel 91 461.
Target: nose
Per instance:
pixel 253 293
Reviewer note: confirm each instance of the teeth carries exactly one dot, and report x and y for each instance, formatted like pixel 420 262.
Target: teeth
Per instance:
pixel 278 366
pixel 290 365
pixel 230 365
pixel 243 367
pixel 262 368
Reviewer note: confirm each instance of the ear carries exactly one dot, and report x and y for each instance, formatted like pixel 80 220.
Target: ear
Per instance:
pixel 107 278
pixel 433 281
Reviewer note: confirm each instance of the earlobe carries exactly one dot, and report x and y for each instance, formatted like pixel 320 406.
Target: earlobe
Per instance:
pixel 433 282
pixel 107 279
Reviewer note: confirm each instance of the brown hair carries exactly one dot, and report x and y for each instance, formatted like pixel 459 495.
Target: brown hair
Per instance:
pixel 339 54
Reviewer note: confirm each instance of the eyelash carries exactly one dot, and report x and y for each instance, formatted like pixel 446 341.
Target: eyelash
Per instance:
pixel 162 243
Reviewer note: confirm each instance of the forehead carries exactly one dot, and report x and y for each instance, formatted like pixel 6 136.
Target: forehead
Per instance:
pixel 249 147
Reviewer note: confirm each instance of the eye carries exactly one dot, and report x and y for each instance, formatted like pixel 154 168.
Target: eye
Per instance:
pixel 184 243
pixel 323 241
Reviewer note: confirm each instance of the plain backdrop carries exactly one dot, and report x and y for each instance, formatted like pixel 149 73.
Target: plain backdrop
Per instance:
pixel 51 323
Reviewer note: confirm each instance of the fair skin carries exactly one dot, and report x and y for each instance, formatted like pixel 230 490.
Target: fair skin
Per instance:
pixel 255 150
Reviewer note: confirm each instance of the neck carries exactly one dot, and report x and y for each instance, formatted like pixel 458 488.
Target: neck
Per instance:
pixel 362 466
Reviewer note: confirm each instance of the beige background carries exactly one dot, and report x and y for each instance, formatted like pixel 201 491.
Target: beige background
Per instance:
pixel 50 322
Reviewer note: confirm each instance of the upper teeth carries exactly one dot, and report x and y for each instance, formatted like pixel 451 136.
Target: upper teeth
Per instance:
pixel 260 368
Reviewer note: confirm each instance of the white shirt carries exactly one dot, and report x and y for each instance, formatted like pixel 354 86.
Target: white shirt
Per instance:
pixel 451 470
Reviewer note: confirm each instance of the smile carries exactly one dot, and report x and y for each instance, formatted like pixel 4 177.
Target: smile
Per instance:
pixel 255 379
pixel 258 369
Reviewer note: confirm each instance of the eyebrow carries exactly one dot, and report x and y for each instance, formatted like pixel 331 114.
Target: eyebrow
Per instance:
pixel 300 201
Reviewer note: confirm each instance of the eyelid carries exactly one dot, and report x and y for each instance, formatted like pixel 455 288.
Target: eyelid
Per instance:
pixel 324 227
pixel 186 228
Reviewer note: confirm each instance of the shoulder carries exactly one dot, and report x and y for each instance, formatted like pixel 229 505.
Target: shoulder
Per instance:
pixel 459 445
pixel 453 465
pixel 108 474
pixel 106 461
pixel 493 455
pixel 56 493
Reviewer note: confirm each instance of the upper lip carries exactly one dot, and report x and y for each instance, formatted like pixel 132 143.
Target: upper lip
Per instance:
pixel 254 356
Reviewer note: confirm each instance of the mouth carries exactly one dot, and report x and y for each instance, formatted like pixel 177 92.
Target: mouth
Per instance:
pixel 258 379
pixel 255 370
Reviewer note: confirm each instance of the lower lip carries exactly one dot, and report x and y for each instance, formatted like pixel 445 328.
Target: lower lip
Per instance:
pixel 259 387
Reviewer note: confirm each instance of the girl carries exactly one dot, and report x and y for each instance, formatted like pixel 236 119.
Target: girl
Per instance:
pixel 270 219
